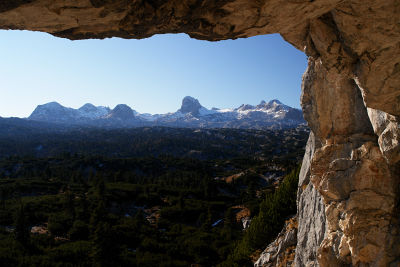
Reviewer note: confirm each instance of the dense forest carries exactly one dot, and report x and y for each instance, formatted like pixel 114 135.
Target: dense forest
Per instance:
pixel 143 197
pixel 154 141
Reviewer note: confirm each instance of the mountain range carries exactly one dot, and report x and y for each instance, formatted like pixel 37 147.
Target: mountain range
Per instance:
pixel 266 115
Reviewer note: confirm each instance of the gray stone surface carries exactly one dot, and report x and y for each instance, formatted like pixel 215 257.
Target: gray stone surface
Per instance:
pixel 310 212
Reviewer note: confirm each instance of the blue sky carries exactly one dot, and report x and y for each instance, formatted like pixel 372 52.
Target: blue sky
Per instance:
pixel 150 75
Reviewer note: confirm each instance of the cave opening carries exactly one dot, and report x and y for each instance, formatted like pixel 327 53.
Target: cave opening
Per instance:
pixel 73 73
pixel 150 75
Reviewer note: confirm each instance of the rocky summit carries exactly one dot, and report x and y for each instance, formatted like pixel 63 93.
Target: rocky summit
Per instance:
pixel 121 112
pixel 271 115
pixel 190 105
pixel 349 191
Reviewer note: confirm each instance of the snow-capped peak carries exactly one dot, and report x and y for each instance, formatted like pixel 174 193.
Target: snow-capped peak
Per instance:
pixel 88 107
pixel 52 111
pixel 272 106
pixel 191 114
pixel 274 101
pixel 51 105
pixel 92 112
pixel 244 107
pixel 121 111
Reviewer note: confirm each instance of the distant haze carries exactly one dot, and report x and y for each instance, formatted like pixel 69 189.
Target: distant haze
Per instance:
pixel 150 75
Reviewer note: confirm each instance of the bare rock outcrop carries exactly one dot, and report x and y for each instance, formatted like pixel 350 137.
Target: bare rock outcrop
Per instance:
pixel 310 212
pixel 351 99
pixel 352 175
pixel 281 251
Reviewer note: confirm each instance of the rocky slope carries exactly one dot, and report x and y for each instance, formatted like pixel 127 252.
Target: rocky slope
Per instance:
pixel 270 115
pixel 281 252
pixel 351 98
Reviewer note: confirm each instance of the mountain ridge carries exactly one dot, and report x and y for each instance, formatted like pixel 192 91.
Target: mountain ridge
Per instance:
pixel 272 114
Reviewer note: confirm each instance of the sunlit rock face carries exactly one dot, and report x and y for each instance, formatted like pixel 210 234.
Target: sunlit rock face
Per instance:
pixel 356 168
pixel 310 211
pixel 350 98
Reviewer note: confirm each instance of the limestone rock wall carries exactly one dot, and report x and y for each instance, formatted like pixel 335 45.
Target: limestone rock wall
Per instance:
pixel 359 185
pixel 356 168
pixel 310 212
pixel 350 98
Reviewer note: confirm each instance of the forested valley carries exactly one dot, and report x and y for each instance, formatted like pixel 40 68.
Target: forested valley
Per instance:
pixel 145 196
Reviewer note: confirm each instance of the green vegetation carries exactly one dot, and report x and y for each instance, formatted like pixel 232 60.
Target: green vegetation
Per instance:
pixel 274 210
pixel 204 144
pixel 148 210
